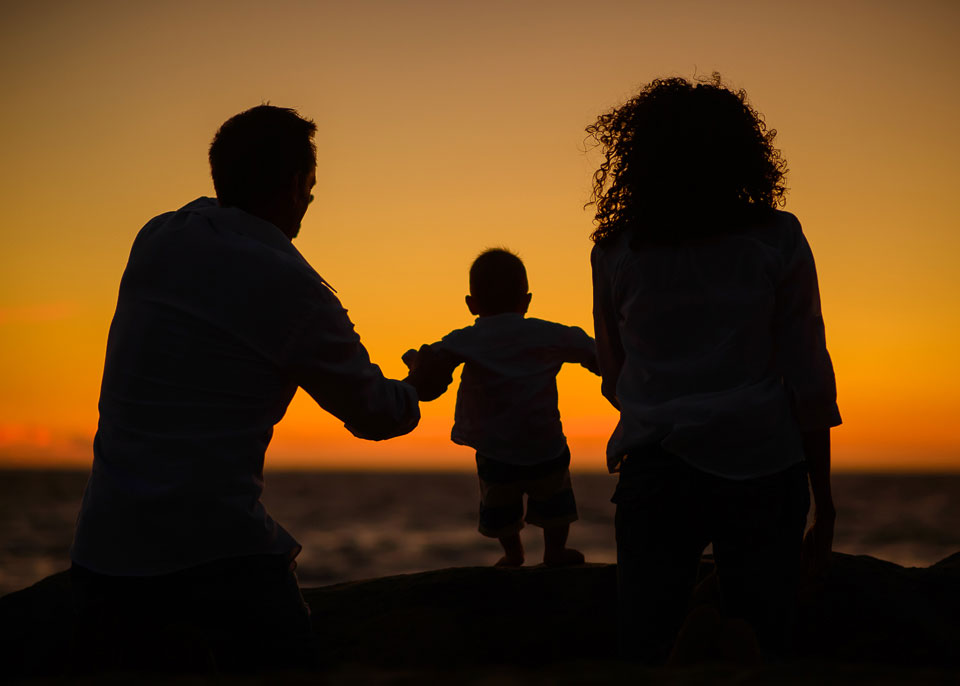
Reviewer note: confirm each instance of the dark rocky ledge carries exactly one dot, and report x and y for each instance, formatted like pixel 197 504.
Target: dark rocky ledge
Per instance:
pixel 477 619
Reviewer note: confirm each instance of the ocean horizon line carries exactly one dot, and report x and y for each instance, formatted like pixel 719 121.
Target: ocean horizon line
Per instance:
pixel 470 468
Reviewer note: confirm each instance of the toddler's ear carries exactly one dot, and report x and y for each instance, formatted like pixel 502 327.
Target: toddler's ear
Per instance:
pixel 472 305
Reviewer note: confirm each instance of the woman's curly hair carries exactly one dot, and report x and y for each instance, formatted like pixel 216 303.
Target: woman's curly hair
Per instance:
pixel 683 158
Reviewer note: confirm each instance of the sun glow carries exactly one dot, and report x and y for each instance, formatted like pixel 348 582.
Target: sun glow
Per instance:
pixel 446 128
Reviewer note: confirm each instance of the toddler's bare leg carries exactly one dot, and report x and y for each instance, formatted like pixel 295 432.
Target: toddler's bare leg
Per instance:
pixel 513 551
pixel 555 552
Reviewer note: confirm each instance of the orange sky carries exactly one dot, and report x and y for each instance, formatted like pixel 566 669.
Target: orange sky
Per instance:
pixel 445 128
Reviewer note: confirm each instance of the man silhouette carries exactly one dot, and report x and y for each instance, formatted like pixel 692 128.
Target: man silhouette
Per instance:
pixel 219 320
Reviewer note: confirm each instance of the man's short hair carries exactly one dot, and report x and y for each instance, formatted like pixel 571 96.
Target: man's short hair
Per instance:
pixel 498 281
pixel 259 151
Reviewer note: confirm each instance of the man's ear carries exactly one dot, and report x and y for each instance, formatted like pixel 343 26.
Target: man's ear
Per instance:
pixel 295 187
pixel 472 306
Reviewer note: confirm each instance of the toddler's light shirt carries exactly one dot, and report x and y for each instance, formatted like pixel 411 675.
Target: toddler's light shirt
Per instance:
pixel 507 401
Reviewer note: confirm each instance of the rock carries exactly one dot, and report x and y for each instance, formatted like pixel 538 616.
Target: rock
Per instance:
pixel 865 611
pixel 470 615
pixel 36 625
pixel 870 610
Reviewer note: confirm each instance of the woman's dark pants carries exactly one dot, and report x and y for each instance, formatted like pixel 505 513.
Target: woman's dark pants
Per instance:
pixel 667 513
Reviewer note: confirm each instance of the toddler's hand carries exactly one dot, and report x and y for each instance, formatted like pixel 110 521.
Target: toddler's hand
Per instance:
pixel 431 371
pixel 410 359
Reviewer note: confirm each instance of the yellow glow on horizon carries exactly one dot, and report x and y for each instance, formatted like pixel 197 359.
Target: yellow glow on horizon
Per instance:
pixel 446 128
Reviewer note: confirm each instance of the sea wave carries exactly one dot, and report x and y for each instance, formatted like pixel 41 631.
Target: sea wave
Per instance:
pixel 363 525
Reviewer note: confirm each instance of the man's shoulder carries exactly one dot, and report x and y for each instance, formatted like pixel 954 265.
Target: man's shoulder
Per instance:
pixel 198 206
pixel 229 245
pixel 164 222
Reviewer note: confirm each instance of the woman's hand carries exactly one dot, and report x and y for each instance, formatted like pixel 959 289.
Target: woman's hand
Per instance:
pixel 818 543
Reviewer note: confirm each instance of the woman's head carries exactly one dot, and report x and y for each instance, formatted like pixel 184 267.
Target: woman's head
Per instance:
pixel 683 158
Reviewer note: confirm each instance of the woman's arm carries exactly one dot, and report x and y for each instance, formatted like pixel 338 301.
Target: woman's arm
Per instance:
pixel 818 541
pixel 808 376
pixel 610 354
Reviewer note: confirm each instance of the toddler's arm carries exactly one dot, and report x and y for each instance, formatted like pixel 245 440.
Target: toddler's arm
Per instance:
pixel 410 359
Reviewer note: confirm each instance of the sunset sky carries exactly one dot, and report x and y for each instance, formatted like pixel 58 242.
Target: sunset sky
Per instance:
pixel 448 127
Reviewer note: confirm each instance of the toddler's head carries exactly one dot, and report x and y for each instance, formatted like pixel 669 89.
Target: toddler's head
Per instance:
pixel 498 284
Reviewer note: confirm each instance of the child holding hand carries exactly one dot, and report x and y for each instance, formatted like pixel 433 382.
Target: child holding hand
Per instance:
pixel 507 407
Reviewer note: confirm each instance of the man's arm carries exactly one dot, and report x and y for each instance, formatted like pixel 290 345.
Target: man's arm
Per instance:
pixel 327 359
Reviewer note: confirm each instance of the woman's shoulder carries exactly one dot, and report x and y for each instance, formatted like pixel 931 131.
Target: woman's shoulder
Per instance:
pixel 779 229
pixel 610 248
pixel 784 221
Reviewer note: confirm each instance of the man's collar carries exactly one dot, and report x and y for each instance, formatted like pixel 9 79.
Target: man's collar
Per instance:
pixel 249 225
pixel 241 222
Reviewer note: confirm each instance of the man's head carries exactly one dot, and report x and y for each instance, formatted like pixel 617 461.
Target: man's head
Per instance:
pixel 498 284
pixel 264 161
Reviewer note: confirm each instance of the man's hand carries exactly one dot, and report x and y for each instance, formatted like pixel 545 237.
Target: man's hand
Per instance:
pixel 431 371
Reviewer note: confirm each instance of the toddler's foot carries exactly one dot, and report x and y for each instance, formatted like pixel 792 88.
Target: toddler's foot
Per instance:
pixel 509 561
pixel 563 558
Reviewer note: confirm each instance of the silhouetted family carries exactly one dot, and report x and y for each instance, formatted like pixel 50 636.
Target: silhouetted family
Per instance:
pixel 709 341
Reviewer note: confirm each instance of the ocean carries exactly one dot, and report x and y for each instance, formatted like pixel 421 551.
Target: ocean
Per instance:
pixel 362 525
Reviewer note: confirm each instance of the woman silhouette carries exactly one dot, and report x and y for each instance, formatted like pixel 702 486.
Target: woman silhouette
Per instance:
pixel 711 345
